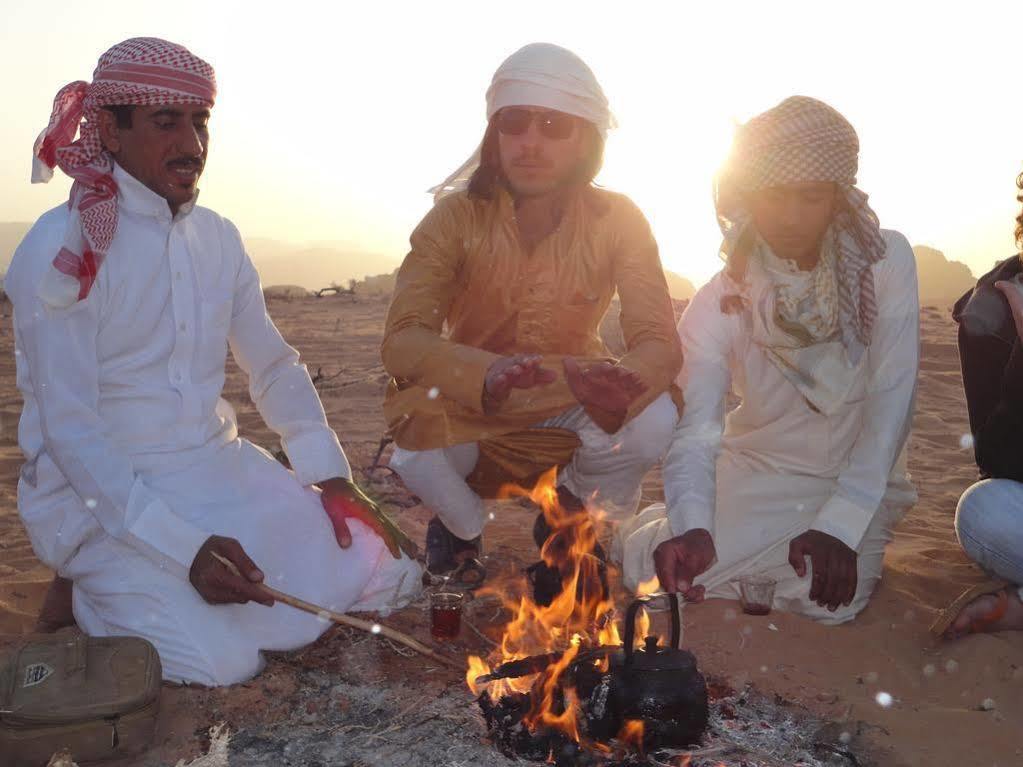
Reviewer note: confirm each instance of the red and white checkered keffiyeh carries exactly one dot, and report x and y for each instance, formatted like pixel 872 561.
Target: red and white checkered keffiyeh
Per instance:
pixel 803 140
pixel 142 71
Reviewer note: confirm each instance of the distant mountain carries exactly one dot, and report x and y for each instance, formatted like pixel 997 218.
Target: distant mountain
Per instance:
pixel 378 284
pixel 317 265
pixel 313 266
pixel 678 286
pixel 941 281
pixel 11 235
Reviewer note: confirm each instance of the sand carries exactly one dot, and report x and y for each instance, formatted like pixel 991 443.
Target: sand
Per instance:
pixel 937 688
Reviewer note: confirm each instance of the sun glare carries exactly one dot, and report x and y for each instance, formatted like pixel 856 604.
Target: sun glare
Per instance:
pixel 666 166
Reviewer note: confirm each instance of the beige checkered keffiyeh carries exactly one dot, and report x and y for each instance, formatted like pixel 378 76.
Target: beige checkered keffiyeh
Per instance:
pixel 804 140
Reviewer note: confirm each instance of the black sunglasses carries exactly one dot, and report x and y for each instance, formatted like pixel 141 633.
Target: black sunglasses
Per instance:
pixel 514 121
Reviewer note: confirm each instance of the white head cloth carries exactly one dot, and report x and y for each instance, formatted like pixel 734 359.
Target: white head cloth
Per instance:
pixel 539 75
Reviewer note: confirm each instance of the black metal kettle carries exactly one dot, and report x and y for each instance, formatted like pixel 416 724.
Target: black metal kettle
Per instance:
pixel 659 685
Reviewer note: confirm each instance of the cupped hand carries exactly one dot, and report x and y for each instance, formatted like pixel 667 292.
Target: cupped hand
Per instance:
pixel 520 371
pixel 604 387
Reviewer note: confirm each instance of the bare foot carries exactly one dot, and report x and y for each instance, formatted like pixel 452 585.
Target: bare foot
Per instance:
pixel 1002 611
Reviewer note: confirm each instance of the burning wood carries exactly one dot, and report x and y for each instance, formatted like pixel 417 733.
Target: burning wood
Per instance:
pixel 537 663
pixel 563 686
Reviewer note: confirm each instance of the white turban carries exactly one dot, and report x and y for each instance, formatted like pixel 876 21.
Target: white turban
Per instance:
pixel 539 75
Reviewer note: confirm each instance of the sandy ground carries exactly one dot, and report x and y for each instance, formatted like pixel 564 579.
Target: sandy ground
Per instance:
pixel 836 673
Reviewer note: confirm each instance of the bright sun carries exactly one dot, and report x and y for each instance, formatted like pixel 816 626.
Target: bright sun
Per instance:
pixel 666 163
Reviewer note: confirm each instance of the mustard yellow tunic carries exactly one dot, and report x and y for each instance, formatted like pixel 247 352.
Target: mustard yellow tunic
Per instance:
pixel 468 293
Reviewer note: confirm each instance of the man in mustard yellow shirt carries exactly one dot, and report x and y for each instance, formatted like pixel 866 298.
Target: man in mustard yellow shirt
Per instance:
pixel 520 258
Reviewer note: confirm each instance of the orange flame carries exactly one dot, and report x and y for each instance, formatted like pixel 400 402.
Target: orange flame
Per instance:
pixel 477 667
pixel 632 733
pixel 646 588
pixel 578 618
pixel 642 629
pixel 549 688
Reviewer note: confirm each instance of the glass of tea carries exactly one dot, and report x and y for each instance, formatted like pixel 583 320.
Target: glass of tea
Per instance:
pixel 756 593
pixel 445 614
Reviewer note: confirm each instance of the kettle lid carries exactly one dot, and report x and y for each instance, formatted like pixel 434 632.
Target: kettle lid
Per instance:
pixel 656 658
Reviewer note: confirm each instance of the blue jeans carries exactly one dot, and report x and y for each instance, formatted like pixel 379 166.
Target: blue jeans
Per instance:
pixel 989 524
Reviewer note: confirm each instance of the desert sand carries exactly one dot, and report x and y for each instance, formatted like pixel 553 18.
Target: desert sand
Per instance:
pixel 938 689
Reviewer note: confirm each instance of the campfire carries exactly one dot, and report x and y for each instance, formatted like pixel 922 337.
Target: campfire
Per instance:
pixel 566 685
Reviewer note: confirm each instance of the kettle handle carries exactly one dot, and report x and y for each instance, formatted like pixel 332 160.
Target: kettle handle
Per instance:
pixel 630 623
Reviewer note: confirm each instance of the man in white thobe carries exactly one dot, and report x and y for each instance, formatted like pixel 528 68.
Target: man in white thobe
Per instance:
pixel 125 303
pixel 813 324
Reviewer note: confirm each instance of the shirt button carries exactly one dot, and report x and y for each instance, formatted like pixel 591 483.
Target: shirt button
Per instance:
pixel 181 326
pixel 177 275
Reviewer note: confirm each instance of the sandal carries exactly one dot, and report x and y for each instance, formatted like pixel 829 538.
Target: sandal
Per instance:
pixel 443 560
pixel 469 575
pixel 947 616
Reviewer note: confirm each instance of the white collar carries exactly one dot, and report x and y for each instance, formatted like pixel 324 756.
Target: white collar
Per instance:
pixel 139 198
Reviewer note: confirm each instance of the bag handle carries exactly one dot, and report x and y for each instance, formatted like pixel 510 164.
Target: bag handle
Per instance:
pixel 630 623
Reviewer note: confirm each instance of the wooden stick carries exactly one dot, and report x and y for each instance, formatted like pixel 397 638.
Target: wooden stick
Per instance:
pixel 480 634
pixel 345 620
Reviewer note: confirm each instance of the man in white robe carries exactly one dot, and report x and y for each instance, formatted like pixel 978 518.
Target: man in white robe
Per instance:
pixel 125 303
pixel 814 325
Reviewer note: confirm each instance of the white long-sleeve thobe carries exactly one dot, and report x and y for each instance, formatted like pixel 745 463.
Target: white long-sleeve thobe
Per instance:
pixel 789 467
pixel 125 436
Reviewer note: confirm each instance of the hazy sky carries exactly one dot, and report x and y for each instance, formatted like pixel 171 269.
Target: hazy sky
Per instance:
pixel 333 118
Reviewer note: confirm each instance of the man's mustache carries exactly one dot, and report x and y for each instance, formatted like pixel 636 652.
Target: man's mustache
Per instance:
pixel 185 162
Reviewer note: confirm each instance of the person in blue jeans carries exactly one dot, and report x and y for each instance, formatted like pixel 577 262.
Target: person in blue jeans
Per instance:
pixel 989 518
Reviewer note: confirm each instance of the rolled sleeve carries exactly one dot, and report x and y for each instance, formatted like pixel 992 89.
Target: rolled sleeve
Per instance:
pixel 316 455
pixel 168 537
pixel 843 519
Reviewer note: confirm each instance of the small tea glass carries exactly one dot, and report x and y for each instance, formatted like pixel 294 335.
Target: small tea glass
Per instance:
pixel 756 594
pixel 445 614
